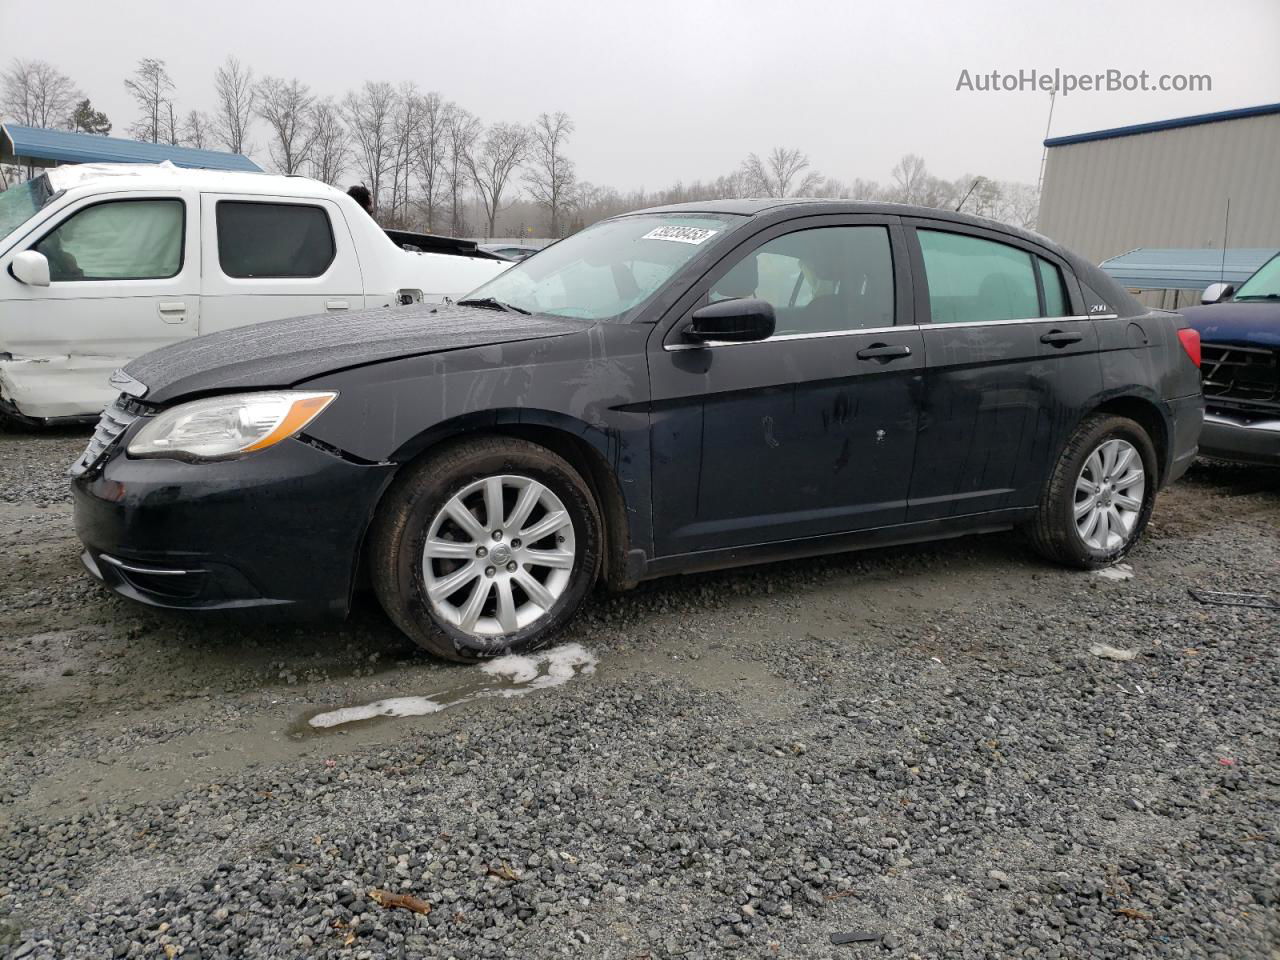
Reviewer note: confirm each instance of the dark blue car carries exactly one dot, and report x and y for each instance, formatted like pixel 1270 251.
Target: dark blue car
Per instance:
pixel 1240 367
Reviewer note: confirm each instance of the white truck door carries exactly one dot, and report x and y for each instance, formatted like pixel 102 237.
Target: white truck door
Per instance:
pixel 271 257
pixel 124 279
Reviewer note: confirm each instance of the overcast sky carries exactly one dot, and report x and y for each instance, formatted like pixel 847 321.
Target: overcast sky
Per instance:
pixel 663 91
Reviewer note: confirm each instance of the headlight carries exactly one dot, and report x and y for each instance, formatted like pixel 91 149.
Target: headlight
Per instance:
pixel 223 427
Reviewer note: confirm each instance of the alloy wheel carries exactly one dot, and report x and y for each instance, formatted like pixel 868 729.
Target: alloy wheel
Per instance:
pixel 498 555
pixel 1109 495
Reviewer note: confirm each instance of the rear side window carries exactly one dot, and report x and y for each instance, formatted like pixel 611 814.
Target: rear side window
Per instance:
pixel 972 279
pixel 117 240
pixel 1056 301
pixel 273 239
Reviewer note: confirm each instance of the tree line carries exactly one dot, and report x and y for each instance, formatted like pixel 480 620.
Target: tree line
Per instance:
pixel 432 165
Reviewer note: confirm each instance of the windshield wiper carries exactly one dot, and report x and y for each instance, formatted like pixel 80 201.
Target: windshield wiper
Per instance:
pixel 1258 296
pixel 492 303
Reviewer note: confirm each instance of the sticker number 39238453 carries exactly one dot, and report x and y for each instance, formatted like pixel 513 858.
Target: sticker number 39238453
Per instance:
pixel 680 234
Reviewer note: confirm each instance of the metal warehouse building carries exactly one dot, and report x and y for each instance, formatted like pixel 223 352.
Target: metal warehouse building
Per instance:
pixel 1166 184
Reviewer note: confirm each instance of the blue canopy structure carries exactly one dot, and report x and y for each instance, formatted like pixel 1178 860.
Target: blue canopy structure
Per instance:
pixel 1179 268
pixel 40 147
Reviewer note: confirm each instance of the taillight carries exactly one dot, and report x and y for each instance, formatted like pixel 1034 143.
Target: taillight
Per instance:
pixel 1191 343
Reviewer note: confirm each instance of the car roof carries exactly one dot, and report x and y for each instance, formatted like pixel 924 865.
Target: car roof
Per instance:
pixel 166 176
pixel 813 206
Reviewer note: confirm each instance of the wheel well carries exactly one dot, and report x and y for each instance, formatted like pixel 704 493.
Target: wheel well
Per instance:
pixel 1147 416
pixel 591 466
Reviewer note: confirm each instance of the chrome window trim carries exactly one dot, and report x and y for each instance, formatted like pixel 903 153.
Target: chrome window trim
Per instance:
pixel 782 337
pixel 827 334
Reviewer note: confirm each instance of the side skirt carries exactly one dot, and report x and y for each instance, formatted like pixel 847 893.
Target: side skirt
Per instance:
pixel 921 532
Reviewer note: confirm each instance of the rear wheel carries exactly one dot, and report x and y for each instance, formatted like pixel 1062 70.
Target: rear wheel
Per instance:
pixel 1099 496
pixel 486 547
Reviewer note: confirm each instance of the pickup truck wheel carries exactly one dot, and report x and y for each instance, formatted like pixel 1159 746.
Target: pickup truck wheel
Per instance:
pixel 486 547
pixel 1099 497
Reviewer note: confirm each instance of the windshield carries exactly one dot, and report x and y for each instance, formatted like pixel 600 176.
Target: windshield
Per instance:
pixel 602 272
pixel 19 202
pixel 1263 285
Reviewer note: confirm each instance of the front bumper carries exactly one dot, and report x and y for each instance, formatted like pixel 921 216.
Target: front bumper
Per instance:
pixel 1231 435
pixel 274 534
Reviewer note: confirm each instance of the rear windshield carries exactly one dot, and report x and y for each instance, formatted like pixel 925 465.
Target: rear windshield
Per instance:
pixel 602 272
pixel 21 201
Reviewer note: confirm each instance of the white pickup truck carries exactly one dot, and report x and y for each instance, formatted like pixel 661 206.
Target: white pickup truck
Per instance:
pixel 100 263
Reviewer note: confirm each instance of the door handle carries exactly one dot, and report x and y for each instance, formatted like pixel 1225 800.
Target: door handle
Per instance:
pixel 336 305
pixel 1060 338
pixel 884 352
pixel 172 311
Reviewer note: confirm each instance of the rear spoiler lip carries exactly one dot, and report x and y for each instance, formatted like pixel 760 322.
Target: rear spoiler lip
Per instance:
pixel 433 243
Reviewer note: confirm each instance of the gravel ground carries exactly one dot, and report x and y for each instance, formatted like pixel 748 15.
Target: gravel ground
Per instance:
pixel 915 744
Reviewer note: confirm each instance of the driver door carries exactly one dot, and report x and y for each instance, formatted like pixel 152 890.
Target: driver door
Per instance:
pixel 810 432
pixel 123 280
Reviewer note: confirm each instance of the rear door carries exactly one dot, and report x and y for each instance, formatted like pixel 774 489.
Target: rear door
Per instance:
pixel 1009 362
pixel 270 257
pixel 808 433
pixel 123 280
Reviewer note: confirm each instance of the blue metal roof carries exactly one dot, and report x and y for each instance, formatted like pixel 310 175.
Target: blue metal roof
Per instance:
pixel 1137 128
pixel 1178 268
pixel 45 146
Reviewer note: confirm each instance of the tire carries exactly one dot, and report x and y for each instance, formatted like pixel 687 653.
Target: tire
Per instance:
pixel 415 589
pixel 1055 532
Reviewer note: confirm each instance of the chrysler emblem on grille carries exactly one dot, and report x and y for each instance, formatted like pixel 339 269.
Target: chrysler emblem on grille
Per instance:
pixel 126 384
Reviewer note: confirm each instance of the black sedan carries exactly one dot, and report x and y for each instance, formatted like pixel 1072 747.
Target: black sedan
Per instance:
pixel 678 389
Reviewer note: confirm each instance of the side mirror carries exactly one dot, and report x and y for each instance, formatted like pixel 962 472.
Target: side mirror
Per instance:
pixel 732 321
pixel 1217 292
pixel 32 268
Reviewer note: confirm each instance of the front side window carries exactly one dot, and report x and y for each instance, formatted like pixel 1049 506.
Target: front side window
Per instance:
pixel 1263 285
pixel 822 280
pixel 973 280
pixel 117 240
pixel 272 240
pixel 606 270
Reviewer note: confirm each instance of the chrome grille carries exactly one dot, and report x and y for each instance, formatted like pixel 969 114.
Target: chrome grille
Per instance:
pixel 113 422
pixel 1240 376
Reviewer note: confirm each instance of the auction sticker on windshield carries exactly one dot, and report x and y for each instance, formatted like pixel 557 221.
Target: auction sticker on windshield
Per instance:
pixel 680 234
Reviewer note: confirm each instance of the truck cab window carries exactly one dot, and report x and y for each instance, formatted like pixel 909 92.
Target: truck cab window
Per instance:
pixel 117 240
pixel 257 240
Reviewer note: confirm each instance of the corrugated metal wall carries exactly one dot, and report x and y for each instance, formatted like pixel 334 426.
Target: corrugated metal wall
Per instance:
pixel 1166 189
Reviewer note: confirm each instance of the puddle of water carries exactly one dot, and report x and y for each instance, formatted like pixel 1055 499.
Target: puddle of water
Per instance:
pixel 509 676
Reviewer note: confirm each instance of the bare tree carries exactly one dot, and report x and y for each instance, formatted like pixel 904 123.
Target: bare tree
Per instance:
pixel 406 122
pixel 781 174
pixel 551 179
pixel 432 153
pixel 910 177
pixel 286 107
pixel 149 86
pixel 236 95
pixel 368 113
pixel 329 142
pixel 197 130
pixel 463 132
pixel 169 132
pixel 36 94
pixel 503 149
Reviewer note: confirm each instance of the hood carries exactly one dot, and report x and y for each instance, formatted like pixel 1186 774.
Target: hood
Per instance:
pixel 283 352
pixel 1254 323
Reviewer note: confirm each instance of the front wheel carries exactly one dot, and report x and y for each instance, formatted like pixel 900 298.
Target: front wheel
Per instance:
pixel 484 548
pixel 1099 496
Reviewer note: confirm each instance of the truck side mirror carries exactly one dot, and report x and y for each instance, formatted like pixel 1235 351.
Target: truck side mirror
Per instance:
pixel 32 268
pixel 1217 292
